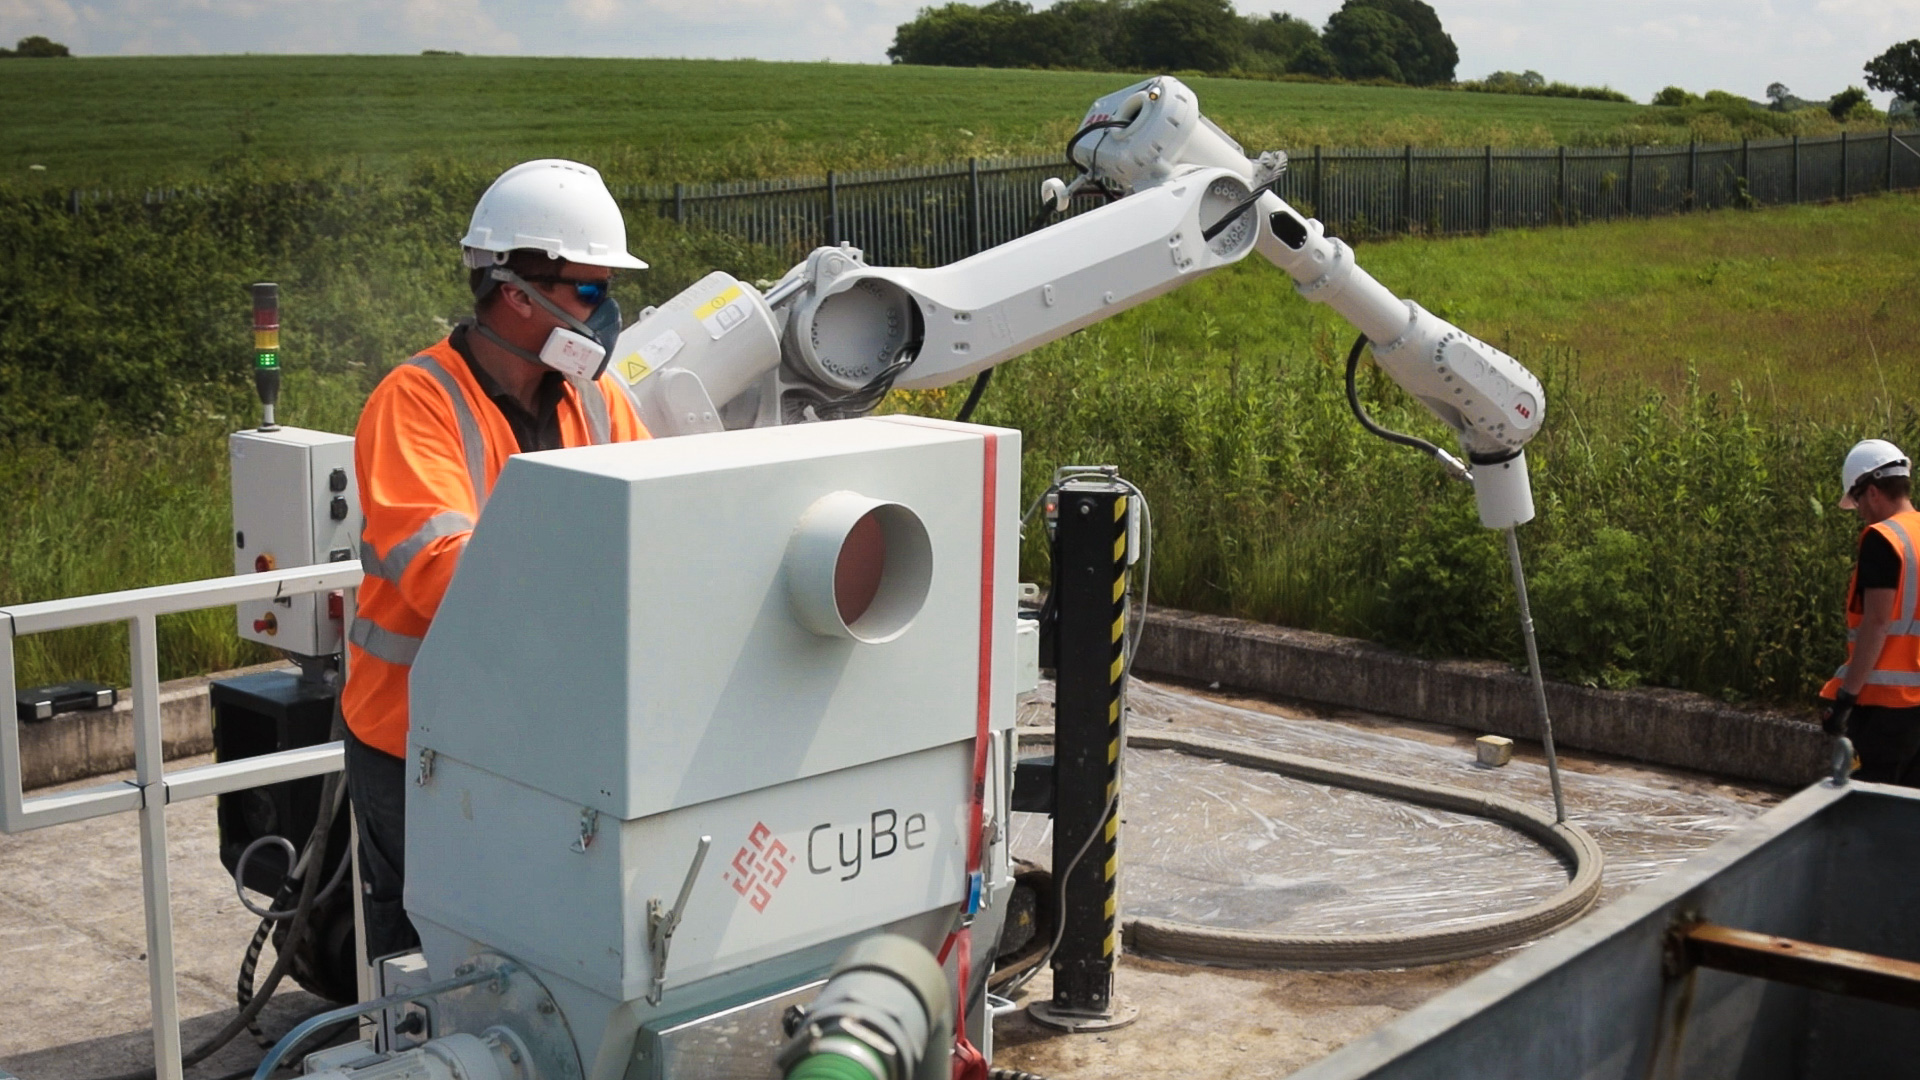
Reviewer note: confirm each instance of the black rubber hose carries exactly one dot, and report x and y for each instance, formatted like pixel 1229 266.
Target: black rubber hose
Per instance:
pixel 1360 411
pixel 980 382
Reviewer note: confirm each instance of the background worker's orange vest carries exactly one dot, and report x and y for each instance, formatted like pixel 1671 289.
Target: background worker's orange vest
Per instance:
pixel 429 446
pixel 1895 681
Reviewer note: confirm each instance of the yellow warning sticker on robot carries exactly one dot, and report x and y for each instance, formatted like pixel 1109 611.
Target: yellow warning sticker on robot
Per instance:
pixel 722 313
pixel 632 369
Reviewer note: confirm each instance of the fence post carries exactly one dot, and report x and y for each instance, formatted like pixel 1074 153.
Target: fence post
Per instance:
pixel 1566 212
pixel 1487 178
pixel 1633 160
pixel 1796 168
pixel 1406 197
pixel 1693 174
pixel 833 209
pixel 1319 184
pixel 679 202
pixel 1889 157
pixel 1843 166
pixel 973 203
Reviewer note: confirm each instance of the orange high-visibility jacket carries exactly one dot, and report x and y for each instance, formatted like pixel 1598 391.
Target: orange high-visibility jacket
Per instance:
pixel 1895 680
pixel 429 446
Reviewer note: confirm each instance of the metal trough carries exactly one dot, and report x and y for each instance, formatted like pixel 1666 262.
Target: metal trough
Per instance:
pixel 1709 971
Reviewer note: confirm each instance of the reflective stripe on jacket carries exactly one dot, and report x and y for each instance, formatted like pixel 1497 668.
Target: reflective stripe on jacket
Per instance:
pixel 1895 679
pixel 429 446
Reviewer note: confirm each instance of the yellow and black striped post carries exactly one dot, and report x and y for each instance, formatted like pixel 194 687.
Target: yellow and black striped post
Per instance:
pixel 1089 651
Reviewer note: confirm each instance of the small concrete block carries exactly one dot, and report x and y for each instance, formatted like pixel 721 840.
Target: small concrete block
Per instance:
pixel 1494 749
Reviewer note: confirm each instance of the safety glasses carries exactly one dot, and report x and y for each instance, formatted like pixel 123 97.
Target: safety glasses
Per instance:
pixel 587 292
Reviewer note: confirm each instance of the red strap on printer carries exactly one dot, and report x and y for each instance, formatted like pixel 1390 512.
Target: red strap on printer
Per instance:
pixel 968 1063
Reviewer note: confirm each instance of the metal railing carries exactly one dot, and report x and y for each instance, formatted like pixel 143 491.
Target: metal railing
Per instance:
pixel 153 788
pixel 937 215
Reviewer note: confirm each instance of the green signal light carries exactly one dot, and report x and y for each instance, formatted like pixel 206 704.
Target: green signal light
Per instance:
pixel 267 361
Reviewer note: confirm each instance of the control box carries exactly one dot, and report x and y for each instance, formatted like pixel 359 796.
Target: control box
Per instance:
pixel 295 503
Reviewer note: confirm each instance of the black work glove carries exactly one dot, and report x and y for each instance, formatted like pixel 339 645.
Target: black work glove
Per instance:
pixel 1834 720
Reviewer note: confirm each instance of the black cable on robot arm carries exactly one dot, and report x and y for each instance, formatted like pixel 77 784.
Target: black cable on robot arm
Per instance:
pixel 1360 412
pixel 980 382
pixel 1098 125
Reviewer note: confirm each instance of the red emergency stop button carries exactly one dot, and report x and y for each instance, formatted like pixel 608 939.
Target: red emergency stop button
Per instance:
pixel 336 606
pixel 263 562
pixel 266 624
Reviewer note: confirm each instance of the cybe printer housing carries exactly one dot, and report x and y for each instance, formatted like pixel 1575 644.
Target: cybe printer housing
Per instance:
pixel 776 646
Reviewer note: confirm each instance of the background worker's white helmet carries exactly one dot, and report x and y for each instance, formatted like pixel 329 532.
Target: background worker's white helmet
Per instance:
pixel 1870 458
pixel 561 208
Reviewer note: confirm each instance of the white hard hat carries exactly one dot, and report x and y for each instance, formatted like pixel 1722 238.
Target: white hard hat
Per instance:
pixel 561 208
pixel 1873 458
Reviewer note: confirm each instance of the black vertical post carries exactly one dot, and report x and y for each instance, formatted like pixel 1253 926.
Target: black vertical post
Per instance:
pixel 1843 166
pixel 1566 211
pixel 973 204
pixel 1889 158
pixel 1796 168
pixel 1406 197
pixel 1319 184
pixel 1633 162
pixel 833 210
pixel 1487 182
pixel 679 203
pixel 1090 590
pixel 1693 175
pixel 1746 176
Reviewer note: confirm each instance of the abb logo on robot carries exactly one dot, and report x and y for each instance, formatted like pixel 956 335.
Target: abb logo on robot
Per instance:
pixel 759 867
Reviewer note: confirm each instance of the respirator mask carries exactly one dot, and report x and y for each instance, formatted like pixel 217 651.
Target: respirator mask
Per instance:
pixel 580 348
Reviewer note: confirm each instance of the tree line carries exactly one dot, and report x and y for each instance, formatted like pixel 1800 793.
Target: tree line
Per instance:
pixel 1398 41
pixel 34 47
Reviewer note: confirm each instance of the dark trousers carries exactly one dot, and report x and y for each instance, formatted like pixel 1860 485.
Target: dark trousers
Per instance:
pixel 377 787
pixel 1888 743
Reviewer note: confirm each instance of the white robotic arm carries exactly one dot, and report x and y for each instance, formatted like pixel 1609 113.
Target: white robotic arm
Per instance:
pixel 835 334
pixel 848 332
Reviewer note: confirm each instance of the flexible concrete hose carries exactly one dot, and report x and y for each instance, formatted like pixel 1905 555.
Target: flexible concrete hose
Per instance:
pixel 1212 945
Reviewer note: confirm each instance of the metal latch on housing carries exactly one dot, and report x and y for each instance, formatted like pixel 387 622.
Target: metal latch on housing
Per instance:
pixel 661 923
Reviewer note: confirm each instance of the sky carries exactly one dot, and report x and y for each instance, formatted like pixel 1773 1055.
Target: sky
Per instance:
pixel 1815 47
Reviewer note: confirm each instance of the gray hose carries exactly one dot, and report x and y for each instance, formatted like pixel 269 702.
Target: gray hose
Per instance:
pixel 1212 945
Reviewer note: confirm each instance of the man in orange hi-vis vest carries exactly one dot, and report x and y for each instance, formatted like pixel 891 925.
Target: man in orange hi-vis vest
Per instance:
pixel 1876 694
pixel 526 372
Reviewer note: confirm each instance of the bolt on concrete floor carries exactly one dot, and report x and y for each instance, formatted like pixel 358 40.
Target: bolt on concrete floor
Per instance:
pixel 73 978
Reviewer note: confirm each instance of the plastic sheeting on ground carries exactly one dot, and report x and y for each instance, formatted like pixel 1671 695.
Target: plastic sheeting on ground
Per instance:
pixel 1226 846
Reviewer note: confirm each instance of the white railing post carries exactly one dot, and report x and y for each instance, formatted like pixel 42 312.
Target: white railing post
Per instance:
pixel 12 799
pixel 153 788
pixel 149 763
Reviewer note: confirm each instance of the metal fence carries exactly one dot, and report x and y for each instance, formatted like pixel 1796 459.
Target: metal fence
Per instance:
pixel 932 216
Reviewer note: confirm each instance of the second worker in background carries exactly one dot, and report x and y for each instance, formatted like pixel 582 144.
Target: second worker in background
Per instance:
pixel 1876 701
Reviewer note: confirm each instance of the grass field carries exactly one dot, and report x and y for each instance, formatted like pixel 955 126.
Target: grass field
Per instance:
pixel 147 119
pixel 1704 372
pixel 1808 307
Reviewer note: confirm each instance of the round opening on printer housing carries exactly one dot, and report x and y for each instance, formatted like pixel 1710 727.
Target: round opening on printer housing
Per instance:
pixel 858 568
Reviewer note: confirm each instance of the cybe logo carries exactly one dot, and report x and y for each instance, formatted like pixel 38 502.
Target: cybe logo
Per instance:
pixel 759 867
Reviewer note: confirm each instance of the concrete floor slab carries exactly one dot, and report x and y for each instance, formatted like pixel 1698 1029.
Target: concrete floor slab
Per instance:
pixel 74 1002
pixel 73 982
